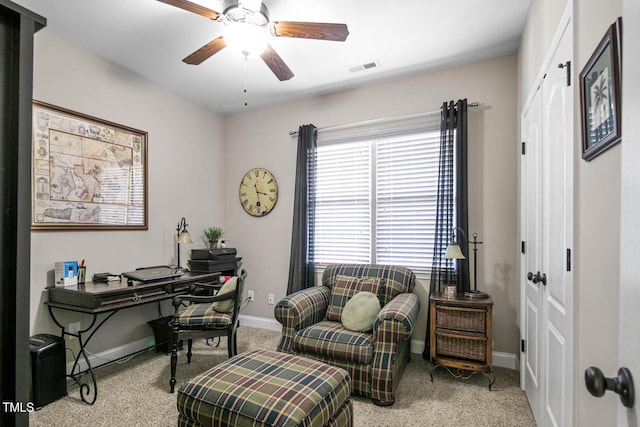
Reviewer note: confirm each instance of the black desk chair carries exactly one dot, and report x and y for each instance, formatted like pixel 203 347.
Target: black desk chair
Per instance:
pixel 207 317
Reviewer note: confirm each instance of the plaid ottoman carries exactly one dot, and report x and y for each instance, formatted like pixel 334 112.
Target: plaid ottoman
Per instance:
pixel 267 388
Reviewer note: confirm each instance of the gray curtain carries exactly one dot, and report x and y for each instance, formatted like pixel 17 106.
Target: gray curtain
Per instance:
pixel 452 204
pixel 462 194
pixel 301 266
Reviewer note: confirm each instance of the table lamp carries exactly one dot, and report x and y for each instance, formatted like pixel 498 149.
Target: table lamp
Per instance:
pixel 183 236
pixel 454 252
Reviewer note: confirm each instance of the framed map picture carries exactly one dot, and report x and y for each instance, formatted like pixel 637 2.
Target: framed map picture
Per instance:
pixel 87 173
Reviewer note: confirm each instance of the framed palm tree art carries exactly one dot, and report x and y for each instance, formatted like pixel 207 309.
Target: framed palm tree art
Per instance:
pixel 600 95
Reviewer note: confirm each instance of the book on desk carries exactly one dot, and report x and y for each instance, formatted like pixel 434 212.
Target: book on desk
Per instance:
pixel 105 277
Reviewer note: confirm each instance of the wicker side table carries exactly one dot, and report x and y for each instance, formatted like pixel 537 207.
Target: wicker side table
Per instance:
pixel 460 336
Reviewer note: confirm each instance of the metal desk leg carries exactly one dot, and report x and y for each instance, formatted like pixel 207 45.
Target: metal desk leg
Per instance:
pixel 85 389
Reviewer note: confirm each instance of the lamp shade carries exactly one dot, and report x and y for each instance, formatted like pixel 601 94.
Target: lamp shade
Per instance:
pixel 454 252
pixel 184 237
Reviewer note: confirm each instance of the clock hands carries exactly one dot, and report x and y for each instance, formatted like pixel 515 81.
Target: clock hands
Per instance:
pixel 258 193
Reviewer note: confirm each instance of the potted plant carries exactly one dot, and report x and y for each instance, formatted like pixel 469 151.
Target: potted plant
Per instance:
pixel 213 234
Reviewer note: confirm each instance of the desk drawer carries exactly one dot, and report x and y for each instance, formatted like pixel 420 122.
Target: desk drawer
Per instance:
pixel 128 298
pixel 101 300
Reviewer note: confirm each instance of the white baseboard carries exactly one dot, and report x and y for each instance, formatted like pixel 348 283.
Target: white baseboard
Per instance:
pixel 506 360
pixel 500 359
pixel 112 353
pixel 260 322
pixel 132 347
pixel 503 360
pixel 417 346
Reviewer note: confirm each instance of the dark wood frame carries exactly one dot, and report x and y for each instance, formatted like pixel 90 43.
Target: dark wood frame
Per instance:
pixel 17 28
pixel 606 58
pixel 50 119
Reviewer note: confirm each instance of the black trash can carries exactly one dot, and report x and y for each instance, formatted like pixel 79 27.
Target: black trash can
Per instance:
pixel 163 334
pixel 48 370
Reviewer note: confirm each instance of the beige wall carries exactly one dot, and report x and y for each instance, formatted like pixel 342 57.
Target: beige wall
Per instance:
pixel 542 20
pixel 598 237
pixel 597 205
pixel 185 174
pixel 215 152
pixel 261 138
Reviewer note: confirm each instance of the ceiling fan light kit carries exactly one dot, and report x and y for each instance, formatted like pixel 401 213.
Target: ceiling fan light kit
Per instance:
pixel 253 5
pixel 245 38
pixel 248 28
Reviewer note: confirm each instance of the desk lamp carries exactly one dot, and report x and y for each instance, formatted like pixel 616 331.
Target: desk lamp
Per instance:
pixel 183 236
pixel 454 252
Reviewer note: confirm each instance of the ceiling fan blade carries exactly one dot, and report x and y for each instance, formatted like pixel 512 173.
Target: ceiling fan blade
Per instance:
pixel 206 51
pixel 310 30
pixel 276 64
pixel 193 7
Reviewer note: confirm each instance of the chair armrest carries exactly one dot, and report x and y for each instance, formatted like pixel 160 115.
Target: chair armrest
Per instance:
pixel 395 321
pixel 303 308
pixel 216 284
pixel 299 310
pixel 177 300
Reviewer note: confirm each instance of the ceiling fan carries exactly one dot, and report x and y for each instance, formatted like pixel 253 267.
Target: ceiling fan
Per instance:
pixel 247 23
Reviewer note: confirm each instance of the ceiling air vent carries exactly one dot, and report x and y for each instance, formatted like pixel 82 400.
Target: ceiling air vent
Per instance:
pixel 366 66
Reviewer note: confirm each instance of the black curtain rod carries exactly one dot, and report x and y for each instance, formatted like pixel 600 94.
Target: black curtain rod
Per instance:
pixel 379 121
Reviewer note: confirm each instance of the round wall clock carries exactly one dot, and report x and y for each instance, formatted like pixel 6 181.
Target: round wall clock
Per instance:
pixel 258 192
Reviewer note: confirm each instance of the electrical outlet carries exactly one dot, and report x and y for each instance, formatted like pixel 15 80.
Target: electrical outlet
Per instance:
pixel 271 300
pixel 251 296
pixel 74 327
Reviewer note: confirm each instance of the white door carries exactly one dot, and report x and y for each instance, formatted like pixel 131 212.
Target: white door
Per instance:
pixel 557 178
pixel 547 230
pixel 531 233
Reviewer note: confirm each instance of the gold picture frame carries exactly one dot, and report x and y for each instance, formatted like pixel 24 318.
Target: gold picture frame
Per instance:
pixel 87 173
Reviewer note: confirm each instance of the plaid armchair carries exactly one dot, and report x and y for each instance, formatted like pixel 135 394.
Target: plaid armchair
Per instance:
pixel 375 360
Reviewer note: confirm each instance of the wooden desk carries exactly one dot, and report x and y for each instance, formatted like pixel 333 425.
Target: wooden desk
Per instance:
pixel 460 335
pixel 94 298
pixel 100 297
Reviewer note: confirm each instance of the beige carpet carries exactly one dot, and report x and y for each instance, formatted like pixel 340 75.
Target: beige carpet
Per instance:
pixel 136 393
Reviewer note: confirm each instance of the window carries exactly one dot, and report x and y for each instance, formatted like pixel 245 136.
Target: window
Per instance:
pixel 376 196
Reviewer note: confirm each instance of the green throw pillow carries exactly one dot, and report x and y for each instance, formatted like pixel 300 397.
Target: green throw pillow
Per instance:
pixel 344 288
pixel 226 306
pixel 360 312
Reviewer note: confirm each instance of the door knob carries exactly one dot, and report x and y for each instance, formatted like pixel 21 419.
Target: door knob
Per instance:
pixel 598 384
pixel 535 278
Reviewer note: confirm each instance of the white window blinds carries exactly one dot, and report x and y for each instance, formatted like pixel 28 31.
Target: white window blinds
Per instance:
pixel 376 196
pixel 343 203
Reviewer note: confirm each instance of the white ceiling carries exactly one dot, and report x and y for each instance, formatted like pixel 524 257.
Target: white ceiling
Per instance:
pixel 404 37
